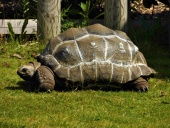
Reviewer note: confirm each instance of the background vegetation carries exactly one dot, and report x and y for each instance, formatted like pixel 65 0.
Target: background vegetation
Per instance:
pixel 20 107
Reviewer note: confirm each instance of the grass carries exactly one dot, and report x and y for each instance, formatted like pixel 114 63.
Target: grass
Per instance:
pixel 83 108
pixel 76 109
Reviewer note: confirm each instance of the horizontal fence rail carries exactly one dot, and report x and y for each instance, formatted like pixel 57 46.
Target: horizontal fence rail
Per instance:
pixel 17 24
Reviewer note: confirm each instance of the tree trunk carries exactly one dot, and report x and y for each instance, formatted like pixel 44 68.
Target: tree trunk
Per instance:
pixel 116 14
pixel 48 15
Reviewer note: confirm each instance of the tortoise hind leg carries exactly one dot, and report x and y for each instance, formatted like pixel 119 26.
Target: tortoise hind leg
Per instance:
pixel 140 84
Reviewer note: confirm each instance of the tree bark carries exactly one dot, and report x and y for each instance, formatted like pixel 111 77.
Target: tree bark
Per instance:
pixel 116 14
pixel 48 15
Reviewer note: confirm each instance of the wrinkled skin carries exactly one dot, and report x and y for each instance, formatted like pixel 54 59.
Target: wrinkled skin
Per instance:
pixel 41 75
pixel 27 71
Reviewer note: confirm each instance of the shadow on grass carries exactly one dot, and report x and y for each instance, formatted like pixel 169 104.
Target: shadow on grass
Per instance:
pixel 23 85
pixel 31 87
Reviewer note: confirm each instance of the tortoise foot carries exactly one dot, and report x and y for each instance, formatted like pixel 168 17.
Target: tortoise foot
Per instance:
pixel 140 85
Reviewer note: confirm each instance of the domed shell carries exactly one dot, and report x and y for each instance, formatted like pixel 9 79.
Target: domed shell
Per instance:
pixel 95 53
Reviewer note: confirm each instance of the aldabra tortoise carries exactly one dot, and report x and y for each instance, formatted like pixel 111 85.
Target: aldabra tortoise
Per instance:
pixel 91 54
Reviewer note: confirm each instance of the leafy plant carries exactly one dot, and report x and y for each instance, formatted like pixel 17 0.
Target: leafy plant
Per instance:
pixel 11 32
pixel 25 7
pixel 13 39
pixel 85 11
pixel 64 13
pixel 21 38
pixel 23 32
pixel 21 9
pixel 65 23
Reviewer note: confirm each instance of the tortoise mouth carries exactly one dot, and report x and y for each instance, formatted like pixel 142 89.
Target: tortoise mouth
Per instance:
pixel 26 77
pixel 39 58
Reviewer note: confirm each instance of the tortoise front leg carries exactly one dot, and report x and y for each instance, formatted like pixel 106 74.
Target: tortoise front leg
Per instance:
pixel 140 84
pixel 45 79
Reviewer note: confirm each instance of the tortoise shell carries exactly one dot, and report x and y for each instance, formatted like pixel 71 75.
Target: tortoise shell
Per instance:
pixel 95 53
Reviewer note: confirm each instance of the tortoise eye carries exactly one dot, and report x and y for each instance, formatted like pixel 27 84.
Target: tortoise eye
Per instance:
pixel 24 69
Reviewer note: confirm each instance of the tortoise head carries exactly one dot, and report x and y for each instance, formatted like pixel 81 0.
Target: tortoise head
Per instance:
pixel 27 71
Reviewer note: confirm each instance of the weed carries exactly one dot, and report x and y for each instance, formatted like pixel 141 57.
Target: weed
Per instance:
pixel 85 11
pixel 14 39
pixel 65 23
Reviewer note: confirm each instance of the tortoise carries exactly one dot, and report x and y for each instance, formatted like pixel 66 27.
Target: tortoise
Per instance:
pixel 92 54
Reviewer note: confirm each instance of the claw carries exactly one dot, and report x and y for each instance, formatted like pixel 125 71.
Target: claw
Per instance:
pixel 141 85
pixel 48 91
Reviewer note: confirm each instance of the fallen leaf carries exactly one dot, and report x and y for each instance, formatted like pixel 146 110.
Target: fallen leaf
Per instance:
pixel 17 56
pixel 5 64
pixel 163 94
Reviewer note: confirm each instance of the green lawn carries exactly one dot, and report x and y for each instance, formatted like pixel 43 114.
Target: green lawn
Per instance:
pixel 84 108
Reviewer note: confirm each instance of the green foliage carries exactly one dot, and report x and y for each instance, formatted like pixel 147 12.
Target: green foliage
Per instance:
pixel 23 32
pixel 25 7
pixel 85 11
pixel 14 43
pixel 64 13
pixel 65 23
pixel 11 32
pixel 28 8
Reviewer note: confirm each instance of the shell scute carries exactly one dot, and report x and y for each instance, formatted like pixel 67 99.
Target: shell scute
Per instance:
pixel 92 48
pixel 72 34
pixel 75 74
pixel 99 29
pixel 121 34
pixel 104 71
pixel 121 74
pixel 89 71
pixel 62 72
pixel 67 54
pixel 118 50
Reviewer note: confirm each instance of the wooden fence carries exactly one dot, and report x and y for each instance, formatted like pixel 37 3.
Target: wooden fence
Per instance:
pixel 17 26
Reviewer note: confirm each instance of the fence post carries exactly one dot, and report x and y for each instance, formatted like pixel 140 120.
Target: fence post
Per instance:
pixel 48 19
pixel 116 14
